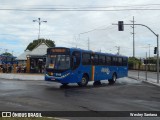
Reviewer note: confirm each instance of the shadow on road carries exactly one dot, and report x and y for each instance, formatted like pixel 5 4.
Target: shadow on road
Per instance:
pixel 74 86
pixel 119 82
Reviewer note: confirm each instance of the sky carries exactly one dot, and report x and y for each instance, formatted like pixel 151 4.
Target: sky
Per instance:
pixel 75 23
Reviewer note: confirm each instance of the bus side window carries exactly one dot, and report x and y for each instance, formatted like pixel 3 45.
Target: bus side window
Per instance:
pixel 77 55
pixel 124 62
pixel 101 60
pixel 86 59
pixel 119 61
pixel 114 61
pixel 108 60
pixel 95 60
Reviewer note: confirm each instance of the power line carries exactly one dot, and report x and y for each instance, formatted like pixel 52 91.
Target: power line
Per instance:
pixel 64 9
pixel 82 6
pixel 138 7
pixel 95 30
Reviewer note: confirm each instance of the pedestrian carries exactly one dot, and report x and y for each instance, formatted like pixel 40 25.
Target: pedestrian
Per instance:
pixel 9 68
pixel 4 68
pixel 18 69
pixel 24 69
pixel 0 68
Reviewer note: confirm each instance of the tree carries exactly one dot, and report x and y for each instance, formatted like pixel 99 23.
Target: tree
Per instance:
pixel 7 53
pixel 33 44
pixel 133 61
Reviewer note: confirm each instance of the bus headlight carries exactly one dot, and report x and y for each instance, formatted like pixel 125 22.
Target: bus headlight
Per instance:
pixel 49 73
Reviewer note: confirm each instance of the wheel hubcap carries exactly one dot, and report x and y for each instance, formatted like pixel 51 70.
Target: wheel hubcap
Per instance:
pixel 83 81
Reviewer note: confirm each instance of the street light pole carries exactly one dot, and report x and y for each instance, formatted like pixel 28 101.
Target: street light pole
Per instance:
pixel 149 59
pixel 118 48
pixel 157 58
pixel 39 27
pixel 133 37
pixel 157 35
pixel 39 22
pixel 12 52
pixel 149 51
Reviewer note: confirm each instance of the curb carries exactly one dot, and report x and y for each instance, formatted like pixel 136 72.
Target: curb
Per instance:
pixel 155 84
pixel 134 78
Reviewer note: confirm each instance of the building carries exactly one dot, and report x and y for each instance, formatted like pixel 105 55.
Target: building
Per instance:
pixel 22 57
pixel 7 63
pixel 34 60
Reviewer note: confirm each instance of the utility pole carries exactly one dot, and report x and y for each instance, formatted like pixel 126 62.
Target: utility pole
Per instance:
pixel 39 22
pixel 133 33
pixel 118 48
pixel 79 37
pixel 88 44
pixel 157 58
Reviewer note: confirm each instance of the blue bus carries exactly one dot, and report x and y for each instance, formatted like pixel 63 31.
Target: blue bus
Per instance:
pixel 74 65
pixel 7 59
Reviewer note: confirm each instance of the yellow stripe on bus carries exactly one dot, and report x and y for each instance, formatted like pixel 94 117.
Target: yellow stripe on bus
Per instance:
pixel 93 68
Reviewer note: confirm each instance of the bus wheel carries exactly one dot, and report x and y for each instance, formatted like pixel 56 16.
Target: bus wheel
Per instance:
pixel 84 81
pixel 113 80
pixel 64 84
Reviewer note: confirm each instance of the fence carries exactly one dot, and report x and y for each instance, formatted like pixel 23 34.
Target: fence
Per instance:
pixel 143 67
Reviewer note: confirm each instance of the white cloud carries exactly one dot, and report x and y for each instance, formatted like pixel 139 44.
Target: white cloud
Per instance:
pixel 64 26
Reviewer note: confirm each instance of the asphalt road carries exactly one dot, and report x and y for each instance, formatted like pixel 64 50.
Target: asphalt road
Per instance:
pixel 126 95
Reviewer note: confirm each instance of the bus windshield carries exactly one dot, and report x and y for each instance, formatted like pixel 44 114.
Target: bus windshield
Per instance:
pixel 58 62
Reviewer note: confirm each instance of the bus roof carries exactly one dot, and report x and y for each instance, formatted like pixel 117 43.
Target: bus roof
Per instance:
pixel 79 49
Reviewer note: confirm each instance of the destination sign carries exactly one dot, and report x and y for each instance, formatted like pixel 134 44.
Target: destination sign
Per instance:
pixel 59 50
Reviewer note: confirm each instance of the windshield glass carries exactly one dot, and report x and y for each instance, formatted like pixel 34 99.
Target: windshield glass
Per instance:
pixel 58 62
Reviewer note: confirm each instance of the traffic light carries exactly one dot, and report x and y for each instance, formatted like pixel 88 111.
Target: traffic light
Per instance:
pixel 155 50
pixel 120 26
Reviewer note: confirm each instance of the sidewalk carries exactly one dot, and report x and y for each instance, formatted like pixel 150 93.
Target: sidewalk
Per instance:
pixel 150 79
pixel 22 76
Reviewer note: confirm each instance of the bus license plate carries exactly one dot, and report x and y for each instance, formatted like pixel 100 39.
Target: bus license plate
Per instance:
pixel 52 78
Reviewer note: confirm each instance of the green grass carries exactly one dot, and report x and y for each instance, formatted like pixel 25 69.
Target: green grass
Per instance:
pixel 42 118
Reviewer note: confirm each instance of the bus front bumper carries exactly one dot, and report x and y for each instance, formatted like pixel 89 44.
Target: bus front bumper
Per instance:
pixel 62 79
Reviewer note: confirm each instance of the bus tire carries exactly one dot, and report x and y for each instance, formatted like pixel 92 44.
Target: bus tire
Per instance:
pixel 83 82
pixel 113 80
pixel 64 84
pixel 97 83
